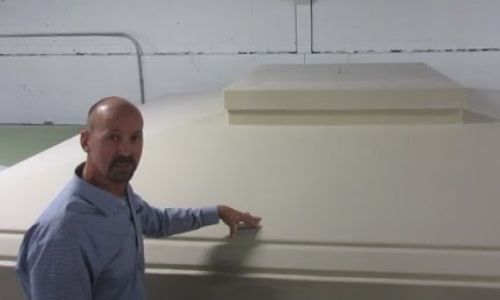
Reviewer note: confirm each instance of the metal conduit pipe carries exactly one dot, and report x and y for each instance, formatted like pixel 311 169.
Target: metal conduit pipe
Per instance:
pixel 138 48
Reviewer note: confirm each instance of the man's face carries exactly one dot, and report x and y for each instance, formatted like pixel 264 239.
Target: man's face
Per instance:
pixel 114 145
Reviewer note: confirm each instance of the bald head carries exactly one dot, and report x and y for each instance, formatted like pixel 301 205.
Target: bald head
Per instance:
pixel 112 141
pixel 109 106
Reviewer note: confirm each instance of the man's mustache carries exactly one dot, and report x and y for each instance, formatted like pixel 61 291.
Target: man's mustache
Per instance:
pixel 122 159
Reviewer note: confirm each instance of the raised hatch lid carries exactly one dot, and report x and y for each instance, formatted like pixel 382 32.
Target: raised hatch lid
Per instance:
pixel 388 93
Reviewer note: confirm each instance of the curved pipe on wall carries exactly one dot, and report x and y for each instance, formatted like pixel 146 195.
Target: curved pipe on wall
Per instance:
pixel 137 45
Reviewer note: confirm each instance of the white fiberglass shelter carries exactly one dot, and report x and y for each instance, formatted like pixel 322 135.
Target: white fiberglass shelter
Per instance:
pixel 373 181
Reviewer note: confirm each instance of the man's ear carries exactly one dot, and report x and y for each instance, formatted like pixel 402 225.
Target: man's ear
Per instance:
pixel 84 140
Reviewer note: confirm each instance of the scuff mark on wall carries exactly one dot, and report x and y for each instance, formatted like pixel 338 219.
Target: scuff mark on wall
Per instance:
pixel 191 59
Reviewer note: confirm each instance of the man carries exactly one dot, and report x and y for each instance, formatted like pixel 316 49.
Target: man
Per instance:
pixel 88 243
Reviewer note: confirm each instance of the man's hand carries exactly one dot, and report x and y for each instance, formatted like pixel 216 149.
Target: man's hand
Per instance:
pixel 233 218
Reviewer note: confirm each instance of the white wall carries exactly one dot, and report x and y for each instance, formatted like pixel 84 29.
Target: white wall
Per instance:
pixel 199 45
pixel 407 25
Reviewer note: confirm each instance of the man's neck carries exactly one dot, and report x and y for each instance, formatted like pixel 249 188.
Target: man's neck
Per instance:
pixel 94 178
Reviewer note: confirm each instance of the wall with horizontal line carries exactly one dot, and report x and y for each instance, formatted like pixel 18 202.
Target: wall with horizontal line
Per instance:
pixel 196 45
